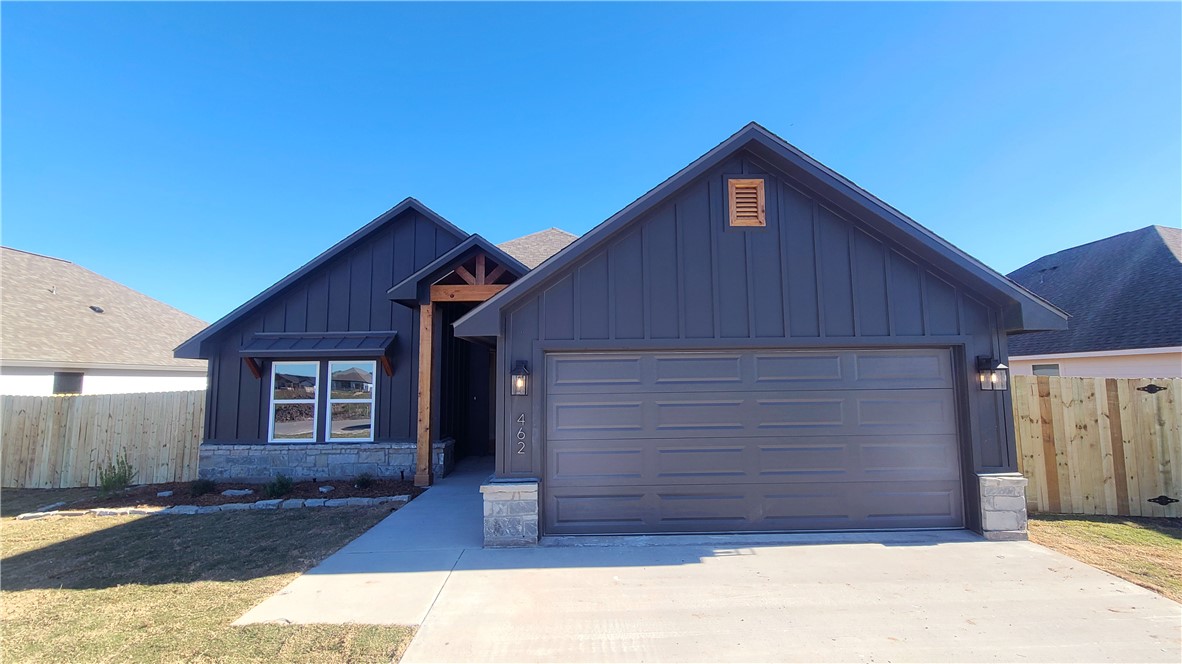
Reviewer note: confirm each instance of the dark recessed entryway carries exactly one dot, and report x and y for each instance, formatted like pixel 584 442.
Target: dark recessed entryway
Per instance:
pixel 760 440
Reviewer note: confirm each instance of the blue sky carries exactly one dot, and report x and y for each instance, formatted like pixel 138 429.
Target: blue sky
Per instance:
pixel 200 152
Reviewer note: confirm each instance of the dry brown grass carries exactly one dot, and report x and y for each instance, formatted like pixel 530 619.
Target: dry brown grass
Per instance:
pixel 1147 552
pixel 166 588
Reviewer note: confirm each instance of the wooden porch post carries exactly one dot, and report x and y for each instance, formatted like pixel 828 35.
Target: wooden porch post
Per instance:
pixel 423 474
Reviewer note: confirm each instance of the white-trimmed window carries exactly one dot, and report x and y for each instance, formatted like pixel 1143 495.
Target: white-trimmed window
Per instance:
pixel 351 400
pixel 1045 369
pixel 293 402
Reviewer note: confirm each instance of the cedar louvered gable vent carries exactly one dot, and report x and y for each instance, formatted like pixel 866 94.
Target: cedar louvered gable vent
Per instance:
pixel 746 202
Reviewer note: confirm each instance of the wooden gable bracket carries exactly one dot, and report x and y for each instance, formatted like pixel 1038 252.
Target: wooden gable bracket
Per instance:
pixel 387 365
pixel 255 369
pixel 479 282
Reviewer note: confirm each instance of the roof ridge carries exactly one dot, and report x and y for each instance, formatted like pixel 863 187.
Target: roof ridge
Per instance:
pixel 33 253
pixel 1078 247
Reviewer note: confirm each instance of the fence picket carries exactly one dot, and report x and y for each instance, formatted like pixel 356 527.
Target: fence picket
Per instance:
pixel 1116 446
pixel 54 442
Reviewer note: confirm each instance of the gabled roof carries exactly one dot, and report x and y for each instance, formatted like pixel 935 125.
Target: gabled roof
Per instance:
pixel 192 347
pixel 1024 310
pixel 533 249
pixel 415 289
pixel 49 320
pixel 1122 292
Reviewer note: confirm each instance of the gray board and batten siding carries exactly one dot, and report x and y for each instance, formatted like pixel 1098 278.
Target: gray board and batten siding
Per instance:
pixel 679 278
pixel 341 291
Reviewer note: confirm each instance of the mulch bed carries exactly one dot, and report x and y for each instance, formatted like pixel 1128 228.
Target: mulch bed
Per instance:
pixel 144 495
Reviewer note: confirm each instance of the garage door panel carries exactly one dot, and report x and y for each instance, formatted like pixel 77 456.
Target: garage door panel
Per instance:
pixel 698 462
pixel 752 460
pixel 757 507
pixel 703 414
pixel 750 441
pixel 902 369
pixel 665 414
pixel 749 371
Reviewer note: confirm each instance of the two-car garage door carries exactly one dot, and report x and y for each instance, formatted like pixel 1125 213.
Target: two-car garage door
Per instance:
pixel 668 442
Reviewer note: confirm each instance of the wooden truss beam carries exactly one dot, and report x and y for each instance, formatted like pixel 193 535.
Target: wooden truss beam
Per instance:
pixel 465 293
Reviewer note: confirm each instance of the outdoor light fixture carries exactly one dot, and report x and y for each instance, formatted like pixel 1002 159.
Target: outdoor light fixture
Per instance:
pixel 993 374
pixel 519 380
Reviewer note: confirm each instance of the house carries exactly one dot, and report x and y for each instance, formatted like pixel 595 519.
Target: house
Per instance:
pixel 67 330
pixel 1124 295
pixel 756 344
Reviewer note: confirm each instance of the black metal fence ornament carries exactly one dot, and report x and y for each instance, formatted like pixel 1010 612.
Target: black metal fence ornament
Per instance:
pixel 1163 500
pixel 1152 389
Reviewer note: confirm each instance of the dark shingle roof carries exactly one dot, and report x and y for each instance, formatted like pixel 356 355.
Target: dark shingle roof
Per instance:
pixel 47 318
pixel 1122 292
pixel 533 249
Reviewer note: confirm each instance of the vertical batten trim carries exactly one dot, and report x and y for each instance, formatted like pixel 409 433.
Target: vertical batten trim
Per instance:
pixel 886 283
pixel 715 228
pixel 645 283
pixel 611 292
pixel 849 248
pixel 749 269
pixel 822 331
pixel 782 243
pixel 679 266
pixel 576 310
pixel 923 300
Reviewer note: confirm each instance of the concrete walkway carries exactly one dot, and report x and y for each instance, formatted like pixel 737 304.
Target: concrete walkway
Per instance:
pixel 934 596
pixel 392 574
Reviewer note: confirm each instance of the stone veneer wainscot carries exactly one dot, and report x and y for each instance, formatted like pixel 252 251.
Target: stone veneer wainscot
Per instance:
pixel 304 461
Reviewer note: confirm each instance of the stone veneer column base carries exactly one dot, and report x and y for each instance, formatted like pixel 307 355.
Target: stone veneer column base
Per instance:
pixel 510 513
pixel 1003 506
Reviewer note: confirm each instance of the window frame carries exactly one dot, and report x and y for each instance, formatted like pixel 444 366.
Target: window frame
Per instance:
pixel 1034 368
pixel 60 377
pixel 330 401
pixel 315 401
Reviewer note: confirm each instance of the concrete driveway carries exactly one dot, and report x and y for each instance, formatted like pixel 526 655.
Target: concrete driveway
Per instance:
pixel 935 596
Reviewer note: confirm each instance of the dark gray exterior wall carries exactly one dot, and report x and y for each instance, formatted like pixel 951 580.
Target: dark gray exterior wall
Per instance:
pixel 345 294
pixel 680 278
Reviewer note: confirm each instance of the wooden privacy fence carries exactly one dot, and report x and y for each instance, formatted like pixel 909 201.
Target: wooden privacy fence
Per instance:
pixel 53 442
pixel 1099 445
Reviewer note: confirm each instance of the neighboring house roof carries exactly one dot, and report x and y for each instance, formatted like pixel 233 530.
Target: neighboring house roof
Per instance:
pixel 533 249
pixel 48 318
pixel 192 347
pixel 1023 310
pixel 353 375
pixel 1122 292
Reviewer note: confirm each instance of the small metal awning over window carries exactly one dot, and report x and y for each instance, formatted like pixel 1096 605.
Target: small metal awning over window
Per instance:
pixel 314 345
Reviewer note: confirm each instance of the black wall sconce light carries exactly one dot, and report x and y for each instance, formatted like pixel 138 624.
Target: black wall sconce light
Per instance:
pixel 519 379
pixel 993 375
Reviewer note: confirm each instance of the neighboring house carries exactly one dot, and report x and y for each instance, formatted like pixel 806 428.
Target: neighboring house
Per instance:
pixel 757 344
pixel 67 330
pixel 1124 296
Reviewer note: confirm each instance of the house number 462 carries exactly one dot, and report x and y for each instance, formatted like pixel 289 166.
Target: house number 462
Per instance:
pixel 520 442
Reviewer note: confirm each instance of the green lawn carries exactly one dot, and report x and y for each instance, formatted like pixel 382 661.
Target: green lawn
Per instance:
pixel 166 588
pixel 1147 552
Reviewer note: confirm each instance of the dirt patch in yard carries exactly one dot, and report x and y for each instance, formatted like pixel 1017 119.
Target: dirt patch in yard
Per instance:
pixel 1145 551
pixel 182 494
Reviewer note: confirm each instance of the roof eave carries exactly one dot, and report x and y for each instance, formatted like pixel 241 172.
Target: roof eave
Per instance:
pixel 196 347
